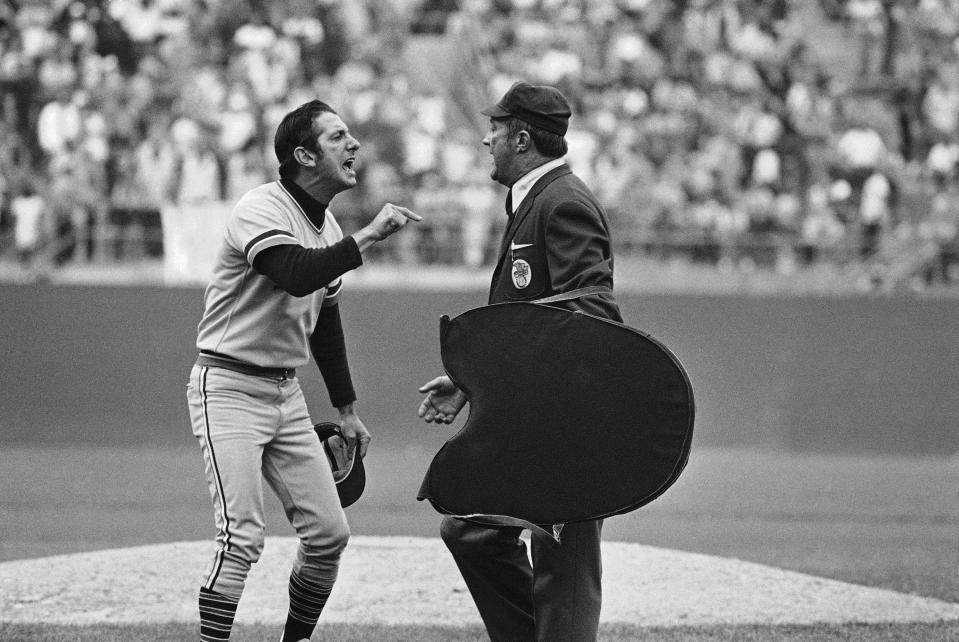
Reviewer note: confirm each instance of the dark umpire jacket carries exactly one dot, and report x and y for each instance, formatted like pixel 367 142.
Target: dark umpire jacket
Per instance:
pixel 557 241
pixel 573 371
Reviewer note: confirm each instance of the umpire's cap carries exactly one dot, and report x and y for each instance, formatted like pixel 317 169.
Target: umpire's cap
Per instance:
pixel 539 105
pixel 347 465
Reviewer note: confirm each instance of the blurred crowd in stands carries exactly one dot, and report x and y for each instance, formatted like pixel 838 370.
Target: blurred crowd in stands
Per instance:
pixel 741 133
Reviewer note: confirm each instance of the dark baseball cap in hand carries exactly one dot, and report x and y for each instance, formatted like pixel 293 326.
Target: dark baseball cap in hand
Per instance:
pixel 539 105
pixel 346 463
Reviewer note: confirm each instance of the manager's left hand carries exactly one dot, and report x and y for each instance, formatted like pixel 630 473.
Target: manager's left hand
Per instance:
pixel 353 430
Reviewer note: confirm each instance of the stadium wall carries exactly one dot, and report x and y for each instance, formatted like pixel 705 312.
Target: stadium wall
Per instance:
pixel 109 365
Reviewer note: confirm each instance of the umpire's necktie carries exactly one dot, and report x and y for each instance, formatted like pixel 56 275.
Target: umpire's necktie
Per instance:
pixel 504 244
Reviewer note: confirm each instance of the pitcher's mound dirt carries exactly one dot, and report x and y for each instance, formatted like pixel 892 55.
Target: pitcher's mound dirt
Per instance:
pixel 407 580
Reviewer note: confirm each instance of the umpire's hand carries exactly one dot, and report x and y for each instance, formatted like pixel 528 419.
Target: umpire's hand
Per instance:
pixel 443 401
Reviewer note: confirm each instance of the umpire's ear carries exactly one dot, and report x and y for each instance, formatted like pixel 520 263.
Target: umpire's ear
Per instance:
pixel 524 141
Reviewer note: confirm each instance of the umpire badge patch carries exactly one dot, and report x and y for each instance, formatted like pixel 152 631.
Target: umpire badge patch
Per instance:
pixel 522 274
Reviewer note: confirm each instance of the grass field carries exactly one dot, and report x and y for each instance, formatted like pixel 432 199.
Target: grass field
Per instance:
pixel 345 633
pixel 885 521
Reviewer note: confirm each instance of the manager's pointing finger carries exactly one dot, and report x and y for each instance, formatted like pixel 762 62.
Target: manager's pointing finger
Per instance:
pixel 409 214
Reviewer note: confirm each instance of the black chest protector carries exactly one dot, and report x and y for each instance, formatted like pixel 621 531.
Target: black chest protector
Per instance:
pixel 571 417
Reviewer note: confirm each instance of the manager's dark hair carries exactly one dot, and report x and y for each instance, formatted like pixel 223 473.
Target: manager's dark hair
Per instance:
pixel 296 130
pixel 547 143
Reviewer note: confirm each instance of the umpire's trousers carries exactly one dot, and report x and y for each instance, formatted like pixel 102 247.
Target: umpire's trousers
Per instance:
pixel 558 598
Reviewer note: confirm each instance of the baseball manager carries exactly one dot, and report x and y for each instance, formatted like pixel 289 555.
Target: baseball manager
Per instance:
pixel 272 301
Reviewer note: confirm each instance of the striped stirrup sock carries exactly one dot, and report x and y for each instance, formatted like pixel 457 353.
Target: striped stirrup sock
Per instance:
pixel 216 615
pixel 307 600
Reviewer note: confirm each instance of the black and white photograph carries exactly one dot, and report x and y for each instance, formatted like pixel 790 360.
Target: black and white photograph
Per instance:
pixel 479 320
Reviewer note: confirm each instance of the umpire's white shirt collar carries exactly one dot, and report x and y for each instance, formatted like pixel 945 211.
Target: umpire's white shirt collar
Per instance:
pixel 525 183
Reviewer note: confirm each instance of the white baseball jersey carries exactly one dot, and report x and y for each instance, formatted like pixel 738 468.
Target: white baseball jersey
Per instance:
pixel 247 316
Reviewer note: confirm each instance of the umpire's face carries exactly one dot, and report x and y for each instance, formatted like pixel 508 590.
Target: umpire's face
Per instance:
pixel 503 151
pixel 333 165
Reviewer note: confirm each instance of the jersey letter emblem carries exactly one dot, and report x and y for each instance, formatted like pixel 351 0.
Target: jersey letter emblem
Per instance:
pixel 522 274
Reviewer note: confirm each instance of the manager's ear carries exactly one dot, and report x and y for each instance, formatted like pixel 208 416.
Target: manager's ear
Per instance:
pixel 303 156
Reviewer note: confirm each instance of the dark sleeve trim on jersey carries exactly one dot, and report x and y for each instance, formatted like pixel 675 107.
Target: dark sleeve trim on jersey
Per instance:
pixel 265 235
pixel 328 345
pixel 300 271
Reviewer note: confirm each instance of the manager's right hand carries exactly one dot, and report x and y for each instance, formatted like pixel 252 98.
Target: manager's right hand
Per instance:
pixel 391 219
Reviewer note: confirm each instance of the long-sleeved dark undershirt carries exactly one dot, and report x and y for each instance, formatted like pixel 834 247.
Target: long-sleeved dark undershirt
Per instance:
pixel 299 271
pixel 328 346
